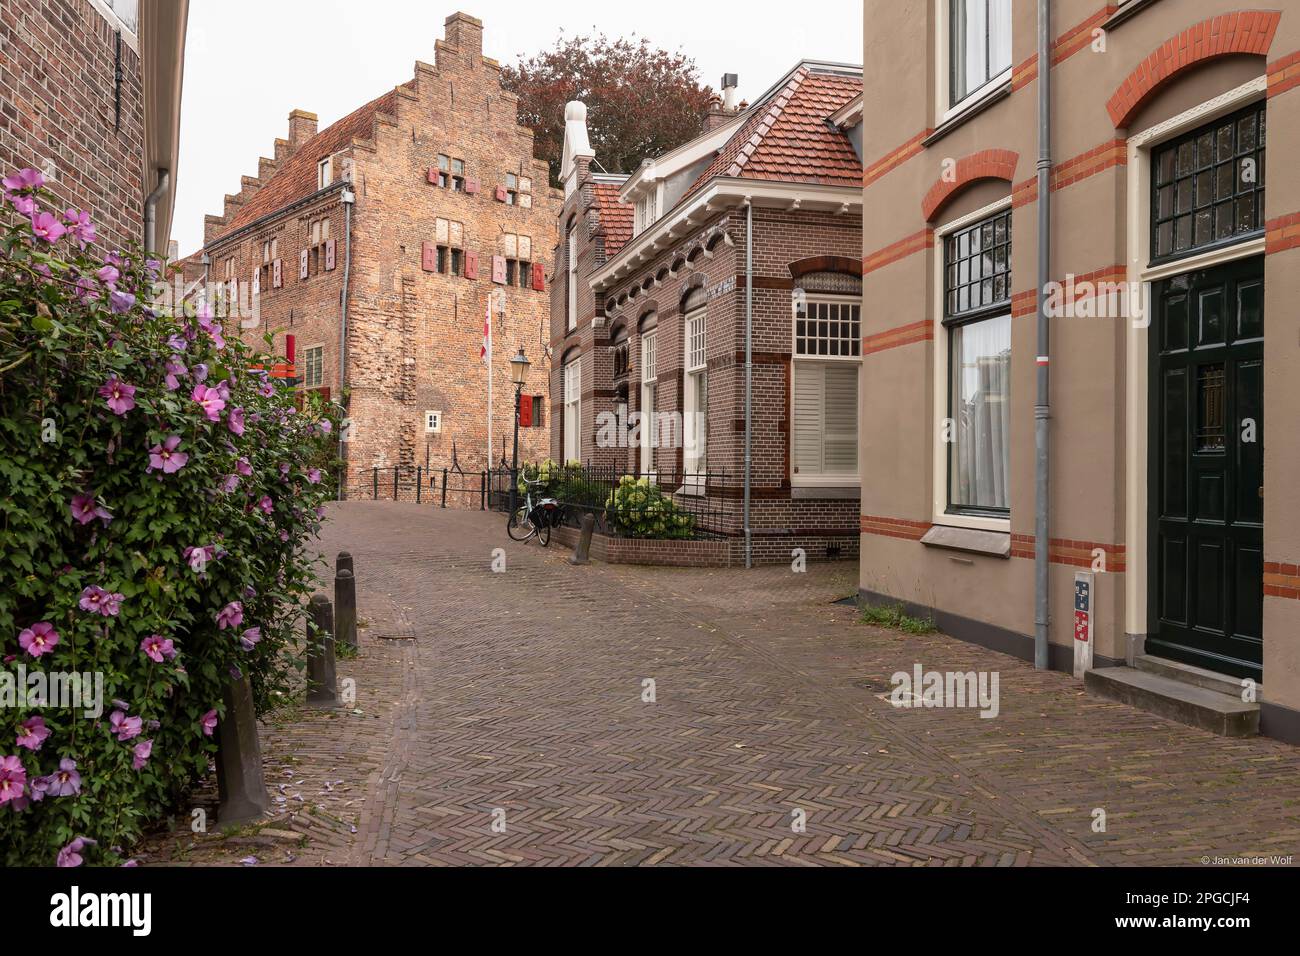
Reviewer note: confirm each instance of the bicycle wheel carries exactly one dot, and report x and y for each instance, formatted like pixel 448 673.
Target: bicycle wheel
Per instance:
pixel 519 527
pixel 544 530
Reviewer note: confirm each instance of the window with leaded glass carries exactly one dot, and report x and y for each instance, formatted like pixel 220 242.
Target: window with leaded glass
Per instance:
pixel 1208 186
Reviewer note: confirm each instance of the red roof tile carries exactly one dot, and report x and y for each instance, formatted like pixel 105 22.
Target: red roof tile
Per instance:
pixel 615 217
pixel 788 138
pixel 296 177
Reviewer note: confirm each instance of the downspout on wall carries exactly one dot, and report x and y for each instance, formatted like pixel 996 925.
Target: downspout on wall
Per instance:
pixel 151 211
pixel 349 199
pixel 1042 406
pixel 749 370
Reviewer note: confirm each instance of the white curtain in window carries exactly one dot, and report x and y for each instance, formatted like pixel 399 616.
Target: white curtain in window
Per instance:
pixel 981 413
pixel 980 43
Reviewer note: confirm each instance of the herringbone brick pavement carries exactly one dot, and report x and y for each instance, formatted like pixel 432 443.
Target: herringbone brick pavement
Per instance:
pixel 500 719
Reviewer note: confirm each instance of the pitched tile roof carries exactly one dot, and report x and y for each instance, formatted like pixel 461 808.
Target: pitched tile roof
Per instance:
pixel 296 177
pixel 788 138
pixel 615 217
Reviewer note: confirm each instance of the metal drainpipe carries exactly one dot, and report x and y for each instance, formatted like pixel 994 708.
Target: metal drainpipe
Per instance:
pixel 1042 407
pixel 151 211
pixel 349 199
pixel 749 370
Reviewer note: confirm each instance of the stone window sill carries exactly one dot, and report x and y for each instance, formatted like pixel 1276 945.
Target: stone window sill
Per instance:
pixel 995 544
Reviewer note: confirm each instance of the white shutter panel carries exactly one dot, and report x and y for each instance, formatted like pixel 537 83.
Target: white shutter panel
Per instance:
pixel 840 429
pixel 807 419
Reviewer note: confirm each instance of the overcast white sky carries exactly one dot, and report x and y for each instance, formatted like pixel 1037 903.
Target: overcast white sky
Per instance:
pixel 249 62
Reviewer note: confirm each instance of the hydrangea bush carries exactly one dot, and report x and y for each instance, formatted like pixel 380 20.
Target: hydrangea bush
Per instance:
pixel 638 509
pixel 156 519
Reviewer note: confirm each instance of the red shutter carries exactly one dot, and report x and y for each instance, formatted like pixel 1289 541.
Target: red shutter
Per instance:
pixel 501 194
pixel 539 277
pixel 302 264
pixel 499 270
pixel 433 175
pixel 471 265
pixel 290 348
pixel 277 274
pixel 329 254
pixel 429 257
pixel 525 411
pixel 471 186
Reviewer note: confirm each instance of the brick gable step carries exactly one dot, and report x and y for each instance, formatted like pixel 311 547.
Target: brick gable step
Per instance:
pixel 1219 713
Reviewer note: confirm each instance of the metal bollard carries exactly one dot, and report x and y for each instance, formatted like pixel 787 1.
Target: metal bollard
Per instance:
pixel 582 550
pixel 345 607
pixel 322 685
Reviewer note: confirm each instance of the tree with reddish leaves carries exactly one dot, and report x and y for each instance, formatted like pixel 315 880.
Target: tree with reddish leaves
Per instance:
pixel 641 101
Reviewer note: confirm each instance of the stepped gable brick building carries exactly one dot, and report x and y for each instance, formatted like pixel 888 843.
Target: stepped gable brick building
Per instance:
pixel 653 286
pixel 373 247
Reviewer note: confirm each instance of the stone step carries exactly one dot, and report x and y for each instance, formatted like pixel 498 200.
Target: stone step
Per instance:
pixel 1191 674
pixel 1223 714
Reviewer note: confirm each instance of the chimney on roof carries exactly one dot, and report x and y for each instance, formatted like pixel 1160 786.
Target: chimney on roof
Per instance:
pixel 464 33
pixel 722 109
pixel 302 127
pixel 729 82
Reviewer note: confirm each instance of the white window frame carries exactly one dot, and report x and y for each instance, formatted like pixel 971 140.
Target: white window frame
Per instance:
pixel 946 109
pixel 646 211
pixel 939 477
pixel 695 432
pixel 796 360
pixel 307 353
pixel 325 172
pixel 573 410
pixel 649 396
pixel 571 270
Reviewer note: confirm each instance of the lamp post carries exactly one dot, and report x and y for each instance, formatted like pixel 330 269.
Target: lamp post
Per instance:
pixel 519 366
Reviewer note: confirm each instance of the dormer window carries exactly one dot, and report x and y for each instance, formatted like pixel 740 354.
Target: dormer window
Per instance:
pixel 647 211
pixel 324 172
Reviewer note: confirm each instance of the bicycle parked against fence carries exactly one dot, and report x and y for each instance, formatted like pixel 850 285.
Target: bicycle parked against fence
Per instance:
pixel 534 519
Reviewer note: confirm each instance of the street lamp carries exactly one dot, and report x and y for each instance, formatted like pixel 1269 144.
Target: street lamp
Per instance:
pixel 519 366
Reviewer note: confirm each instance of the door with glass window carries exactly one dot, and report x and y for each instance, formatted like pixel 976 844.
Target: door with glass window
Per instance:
pixel 1207 469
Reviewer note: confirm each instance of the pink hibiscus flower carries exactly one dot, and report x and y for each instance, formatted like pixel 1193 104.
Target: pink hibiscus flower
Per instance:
pixel 158 648
pixel 209 722
pixel 13 779
pixel 32 733
pixel 166 457
pixel 141 754
pixel 85 510
pixel 209 400
pixel 121 397
pixel 232 615
pixel 38 639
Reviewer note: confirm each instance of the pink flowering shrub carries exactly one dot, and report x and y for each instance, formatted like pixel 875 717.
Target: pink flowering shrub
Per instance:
pixel 155 527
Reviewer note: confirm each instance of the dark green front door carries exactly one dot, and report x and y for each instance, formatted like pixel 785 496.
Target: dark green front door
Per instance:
pixel 1207 469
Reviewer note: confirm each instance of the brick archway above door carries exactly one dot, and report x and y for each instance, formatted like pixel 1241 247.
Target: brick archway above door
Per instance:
pixel 1241 32
pixel 986 164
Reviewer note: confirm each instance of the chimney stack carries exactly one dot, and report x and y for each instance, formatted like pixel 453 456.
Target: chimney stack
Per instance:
pixel 302 127
pixel 729 81
pixel 464 33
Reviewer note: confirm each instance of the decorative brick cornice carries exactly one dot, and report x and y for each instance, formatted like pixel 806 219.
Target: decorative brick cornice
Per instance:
pixel 894 527
pixel 1284 74
pixel 1282 579
pixel 1243 31
pixel 1282 233
pixel 985 164
pixel 895 157
pixel 922 331
pixel 916 242
pixel 1076 554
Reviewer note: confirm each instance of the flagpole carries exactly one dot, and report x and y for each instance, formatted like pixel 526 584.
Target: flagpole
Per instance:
pixel 489 361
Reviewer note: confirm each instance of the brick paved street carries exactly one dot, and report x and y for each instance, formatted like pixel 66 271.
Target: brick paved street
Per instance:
pixel 522 692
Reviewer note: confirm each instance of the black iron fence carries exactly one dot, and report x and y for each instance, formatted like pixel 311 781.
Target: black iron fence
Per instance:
pixel 661 505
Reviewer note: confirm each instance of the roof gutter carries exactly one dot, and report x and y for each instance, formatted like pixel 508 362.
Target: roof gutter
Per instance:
pixel 263 220
pixel 722 193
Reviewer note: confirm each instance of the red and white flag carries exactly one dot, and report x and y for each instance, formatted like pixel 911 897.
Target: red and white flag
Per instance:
pixel 486 352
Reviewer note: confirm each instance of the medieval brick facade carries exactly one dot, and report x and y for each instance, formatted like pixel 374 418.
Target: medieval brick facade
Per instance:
pixel 397 223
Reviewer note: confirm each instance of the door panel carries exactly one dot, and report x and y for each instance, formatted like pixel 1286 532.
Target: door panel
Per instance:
pixel 1207 421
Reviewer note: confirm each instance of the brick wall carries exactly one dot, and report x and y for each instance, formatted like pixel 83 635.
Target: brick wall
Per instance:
pixel 57 62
